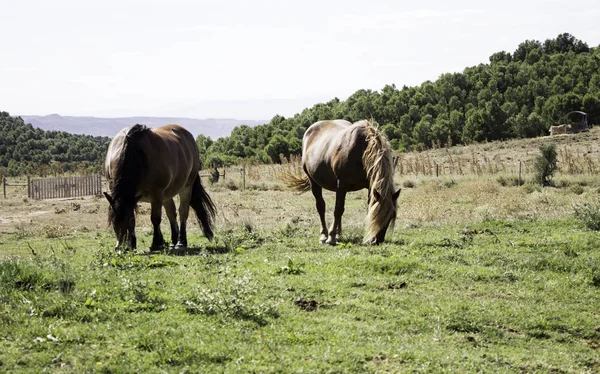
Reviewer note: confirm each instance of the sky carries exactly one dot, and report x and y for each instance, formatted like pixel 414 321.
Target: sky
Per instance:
pixel 251 59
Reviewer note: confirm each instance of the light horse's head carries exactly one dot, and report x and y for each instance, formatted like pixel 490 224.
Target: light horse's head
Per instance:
pixel 381 216
pixel 125 162
pixel 383 198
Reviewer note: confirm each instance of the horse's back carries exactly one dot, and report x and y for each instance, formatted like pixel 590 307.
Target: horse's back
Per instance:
pixel 173 159
pixel 332 154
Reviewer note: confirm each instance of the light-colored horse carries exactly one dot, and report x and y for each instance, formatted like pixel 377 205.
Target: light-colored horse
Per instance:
pixel 154 165
pixel 343 157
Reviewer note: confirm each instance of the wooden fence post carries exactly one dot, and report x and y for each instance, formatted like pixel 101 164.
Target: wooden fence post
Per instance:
pixel 28 187
pixel 244 176
pixel 519 181
pixel 4 185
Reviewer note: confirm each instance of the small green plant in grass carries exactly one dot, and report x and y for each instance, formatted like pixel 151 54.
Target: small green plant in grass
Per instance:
pixel 576 189
pixel 234 297
pixel 291 268
pixel 589 214
pixel 545 165
pixel 531 188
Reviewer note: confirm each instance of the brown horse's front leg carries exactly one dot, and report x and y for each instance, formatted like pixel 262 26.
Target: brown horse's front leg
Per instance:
pixel 336 226
pixel 172 216
pixel 184 209
pixel 155 216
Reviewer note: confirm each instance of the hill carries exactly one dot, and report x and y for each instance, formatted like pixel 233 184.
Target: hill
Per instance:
pixel 98 126
pixel 28 150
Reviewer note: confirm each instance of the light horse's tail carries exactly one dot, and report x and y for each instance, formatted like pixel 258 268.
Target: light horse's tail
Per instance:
pixel 204 207
pixel 378 164
pixel 295 182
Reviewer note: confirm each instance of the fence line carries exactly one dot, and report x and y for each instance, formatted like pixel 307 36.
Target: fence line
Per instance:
pixel 62 187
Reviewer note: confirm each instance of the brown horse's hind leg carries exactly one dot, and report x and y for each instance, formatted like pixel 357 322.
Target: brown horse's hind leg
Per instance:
pixel 318 194
pixel 336 226
pixel 184 209
pixel 157 239
pixel 172 216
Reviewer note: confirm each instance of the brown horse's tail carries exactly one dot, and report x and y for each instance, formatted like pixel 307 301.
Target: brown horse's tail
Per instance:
pixel 295 182
pixel 204 207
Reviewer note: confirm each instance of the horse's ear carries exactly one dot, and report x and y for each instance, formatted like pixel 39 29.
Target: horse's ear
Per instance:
pixel 396 194
pixel 110 199
pixel 376 195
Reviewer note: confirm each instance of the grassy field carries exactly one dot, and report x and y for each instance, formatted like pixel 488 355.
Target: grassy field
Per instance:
pixel 478 276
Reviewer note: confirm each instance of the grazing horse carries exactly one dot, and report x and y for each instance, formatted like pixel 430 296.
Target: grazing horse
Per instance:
pixel 154 165
pixel 342 157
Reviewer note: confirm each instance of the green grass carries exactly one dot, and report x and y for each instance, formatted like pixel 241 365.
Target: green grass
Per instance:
pixel 497 296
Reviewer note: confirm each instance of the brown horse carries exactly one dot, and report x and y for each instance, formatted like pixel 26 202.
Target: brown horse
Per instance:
pixel 154 165
pixel 342 157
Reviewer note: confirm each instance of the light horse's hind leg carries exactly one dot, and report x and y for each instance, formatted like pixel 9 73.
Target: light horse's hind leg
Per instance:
pixel 172 216
pixel 184 208
pixel 336 226
pixel 317 192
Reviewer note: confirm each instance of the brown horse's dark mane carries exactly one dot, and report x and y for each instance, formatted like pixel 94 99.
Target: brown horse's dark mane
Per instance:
pixel 131 164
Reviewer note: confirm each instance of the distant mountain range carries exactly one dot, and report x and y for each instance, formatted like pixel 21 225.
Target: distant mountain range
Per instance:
pixel 212 127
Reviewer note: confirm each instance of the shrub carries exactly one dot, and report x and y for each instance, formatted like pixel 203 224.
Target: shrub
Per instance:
pixel 508 180
pixel 589 214
pixel 544 164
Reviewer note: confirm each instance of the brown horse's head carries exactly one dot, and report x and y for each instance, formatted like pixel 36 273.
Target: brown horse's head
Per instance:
pixel 123 222
pixel 125 162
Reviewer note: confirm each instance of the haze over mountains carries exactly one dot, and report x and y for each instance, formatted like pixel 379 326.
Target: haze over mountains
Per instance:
pixel 98 126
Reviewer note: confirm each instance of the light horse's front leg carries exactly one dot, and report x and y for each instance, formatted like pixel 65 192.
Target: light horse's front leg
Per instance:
pixel 336 226
pixel 317 192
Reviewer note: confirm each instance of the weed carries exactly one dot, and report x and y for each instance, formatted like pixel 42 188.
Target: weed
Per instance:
pixel 54 231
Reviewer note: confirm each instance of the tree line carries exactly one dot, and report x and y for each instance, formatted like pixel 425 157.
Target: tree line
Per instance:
pixel 515 95
pixel 28 150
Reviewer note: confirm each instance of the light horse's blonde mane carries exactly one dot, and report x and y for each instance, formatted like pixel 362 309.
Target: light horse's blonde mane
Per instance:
pixel 378 164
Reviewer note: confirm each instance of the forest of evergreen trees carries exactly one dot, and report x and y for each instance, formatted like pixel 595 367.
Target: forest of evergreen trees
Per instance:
pixel 515 95
pixel 28 150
